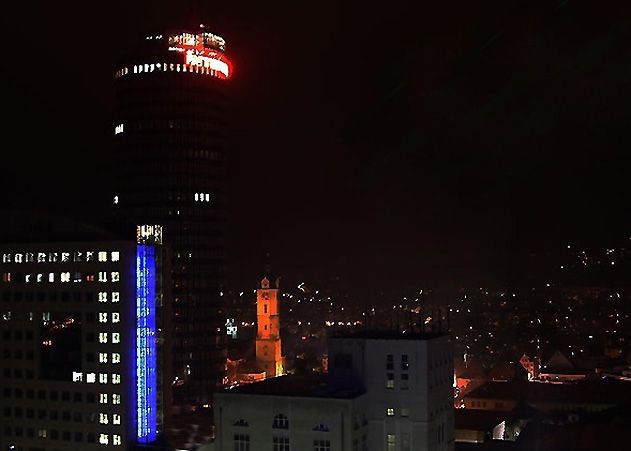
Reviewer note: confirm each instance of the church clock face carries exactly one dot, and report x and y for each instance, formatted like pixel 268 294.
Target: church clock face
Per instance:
pixel 265 296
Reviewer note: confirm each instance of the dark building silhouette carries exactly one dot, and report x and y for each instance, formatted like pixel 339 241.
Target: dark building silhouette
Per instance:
pixel 170 107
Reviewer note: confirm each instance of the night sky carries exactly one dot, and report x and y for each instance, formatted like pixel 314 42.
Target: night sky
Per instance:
pixel 401 144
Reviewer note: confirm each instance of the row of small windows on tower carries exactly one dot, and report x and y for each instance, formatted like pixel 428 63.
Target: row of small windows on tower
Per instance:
pixel 404 412
pixel 18 373
pixel 321 445
pixel 105 418
pixel 441 371
pixel 64 415
pixel 242 443
pixel 30 316
pixel 405 364
pixel 51 277
pixel 361 445
pixel 104 397
pixel 199 197
pixel 391 442
pixel 280 443
pixel 105 317
pixel 55 296
pixel 202 197
pixel 103 378
pixel 53 434
pixel 282 422
pixel 114 296
pixel 390 381
pixel 18 354
pixel 209 125
pixel 54 395
pixel 104 357
pixel 104 337
pixel 90 398
pixel 17 335
pixel 167 67
pixel 104 439
pixel 439 359
pixel 54 257
pixel 90 378
pixel 390 377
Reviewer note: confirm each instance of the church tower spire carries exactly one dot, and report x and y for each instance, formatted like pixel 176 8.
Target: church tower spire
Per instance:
pixel 268 344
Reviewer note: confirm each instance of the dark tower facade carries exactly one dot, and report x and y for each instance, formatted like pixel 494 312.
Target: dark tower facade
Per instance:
pixel 170 141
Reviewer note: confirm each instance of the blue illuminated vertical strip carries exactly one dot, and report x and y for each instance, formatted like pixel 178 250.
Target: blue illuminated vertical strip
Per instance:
pixel 146 377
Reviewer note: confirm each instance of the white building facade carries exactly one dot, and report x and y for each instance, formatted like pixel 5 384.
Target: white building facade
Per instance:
pixel 80 355
pixel 408 401
pixel 261 420
pixel 384 392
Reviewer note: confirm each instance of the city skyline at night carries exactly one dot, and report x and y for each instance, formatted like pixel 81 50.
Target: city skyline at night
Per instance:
pixel 439 188
pixel 446 143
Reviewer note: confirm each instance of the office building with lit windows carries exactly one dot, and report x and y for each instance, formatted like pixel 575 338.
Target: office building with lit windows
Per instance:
pixel 385 391
pixel 82 345
pixel 170 141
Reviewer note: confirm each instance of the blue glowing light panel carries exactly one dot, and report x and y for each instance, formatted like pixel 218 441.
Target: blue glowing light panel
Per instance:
pixel 146 377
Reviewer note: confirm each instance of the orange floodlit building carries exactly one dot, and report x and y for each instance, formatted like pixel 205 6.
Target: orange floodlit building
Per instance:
pixel 268 345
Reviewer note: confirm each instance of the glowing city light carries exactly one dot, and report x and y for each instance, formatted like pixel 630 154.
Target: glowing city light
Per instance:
pixel 146 377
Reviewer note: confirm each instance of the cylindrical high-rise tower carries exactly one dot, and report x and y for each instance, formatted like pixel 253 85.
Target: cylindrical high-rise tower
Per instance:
pixel 170 171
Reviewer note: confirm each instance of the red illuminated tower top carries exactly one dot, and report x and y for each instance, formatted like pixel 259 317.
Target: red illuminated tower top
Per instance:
pixel 198 52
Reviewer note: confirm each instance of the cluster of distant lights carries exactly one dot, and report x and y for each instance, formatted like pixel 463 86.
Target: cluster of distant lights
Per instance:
pixel 332 304
pixel 607 257
pixel 412 304
pixel 537 321
pixel 415 300
pixel 61 325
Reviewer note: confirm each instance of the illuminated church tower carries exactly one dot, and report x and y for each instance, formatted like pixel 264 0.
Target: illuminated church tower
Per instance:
pixel 268 349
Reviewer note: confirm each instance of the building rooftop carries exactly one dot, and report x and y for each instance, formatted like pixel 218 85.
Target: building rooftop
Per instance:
pixel 308 386
pixel 594 392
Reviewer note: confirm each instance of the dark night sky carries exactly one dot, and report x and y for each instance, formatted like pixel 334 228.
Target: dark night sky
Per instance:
pixel 413 143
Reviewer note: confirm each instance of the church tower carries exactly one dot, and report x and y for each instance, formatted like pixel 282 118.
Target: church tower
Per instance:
pixel 268 349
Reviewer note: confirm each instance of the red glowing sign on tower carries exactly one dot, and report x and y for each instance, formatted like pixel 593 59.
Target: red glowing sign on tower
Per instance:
pixel 203 50
pixel 202 53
